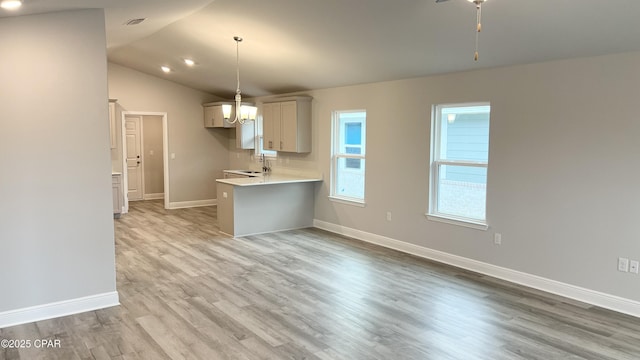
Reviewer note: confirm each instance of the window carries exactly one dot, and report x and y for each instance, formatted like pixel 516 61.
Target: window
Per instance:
pixel 348 157
pixel 260 140
pixel 460 156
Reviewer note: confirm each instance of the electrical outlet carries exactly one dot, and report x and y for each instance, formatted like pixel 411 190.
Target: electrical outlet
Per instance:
pixel 497 239
pixel 623 264
pixel 633 266
pixel 388 215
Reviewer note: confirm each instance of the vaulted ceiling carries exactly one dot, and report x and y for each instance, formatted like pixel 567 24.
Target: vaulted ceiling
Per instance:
pixel 292 45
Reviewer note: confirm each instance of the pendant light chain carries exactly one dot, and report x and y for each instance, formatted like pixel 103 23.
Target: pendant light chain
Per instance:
pixel 478 4
pixel 237 39
pixel 478 24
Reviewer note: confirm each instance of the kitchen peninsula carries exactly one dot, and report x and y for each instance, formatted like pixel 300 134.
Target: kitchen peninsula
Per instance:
pixel 265 203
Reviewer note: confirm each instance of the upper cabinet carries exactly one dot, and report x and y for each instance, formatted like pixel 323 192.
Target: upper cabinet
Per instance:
pixel 245 135
pixel 112 123
pixel 213 117
pixel 287 124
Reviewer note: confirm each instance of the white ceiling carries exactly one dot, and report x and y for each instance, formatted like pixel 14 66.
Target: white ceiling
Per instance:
pixel 294 45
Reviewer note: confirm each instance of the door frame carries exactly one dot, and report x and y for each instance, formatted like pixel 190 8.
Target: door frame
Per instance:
pixel 165 154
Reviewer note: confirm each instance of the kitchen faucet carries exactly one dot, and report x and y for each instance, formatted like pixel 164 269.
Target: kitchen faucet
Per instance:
pixel 266 165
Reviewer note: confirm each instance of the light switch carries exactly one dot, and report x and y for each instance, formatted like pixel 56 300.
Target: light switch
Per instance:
pixel 151 152
pixel 173 156
pixel 224 194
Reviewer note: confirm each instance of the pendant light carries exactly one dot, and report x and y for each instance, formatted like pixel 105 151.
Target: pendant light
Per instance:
pixel 242 112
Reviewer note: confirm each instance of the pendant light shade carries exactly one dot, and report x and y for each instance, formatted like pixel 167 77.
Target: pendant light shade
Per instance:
pixel 226 111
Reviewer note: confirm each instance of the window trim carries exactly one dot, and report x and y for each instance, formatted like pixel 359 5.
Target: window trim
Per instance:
pixel 258 139
pixel 434 170
pixel 336 155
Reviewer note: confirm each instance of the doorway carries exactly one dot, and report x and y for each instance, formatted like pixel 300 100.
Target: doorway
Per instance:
pixel 145 167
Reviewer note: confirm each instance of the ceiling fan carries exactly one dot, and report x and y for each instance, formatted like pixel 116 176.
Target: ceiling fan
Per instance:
pixel 478 21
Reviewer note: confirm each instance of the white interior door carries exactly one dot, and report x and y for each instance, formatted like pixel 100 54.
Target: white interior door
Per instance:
pixel 133 157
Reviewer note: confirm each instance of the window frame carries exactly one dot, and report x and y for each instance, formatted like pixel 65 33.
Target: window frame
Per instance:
pixel 258 140
pixel 337 154
pixel 436 163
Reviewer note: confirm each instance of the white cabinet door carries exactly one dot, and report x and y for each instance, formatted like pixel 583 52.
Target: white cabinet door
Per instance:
pixel 116 185
pixel 214 117
pixel 208 116
pixel 270 116
pixel 287 125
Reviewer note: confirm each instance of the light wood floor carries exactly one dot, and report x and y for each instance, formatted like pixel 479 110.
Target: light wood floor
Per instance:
pixel 188 292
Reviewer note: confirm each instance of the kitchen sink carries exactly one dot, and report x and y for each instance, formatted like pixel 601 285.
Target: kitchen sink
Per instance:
pixel 241 173
pixel 249 171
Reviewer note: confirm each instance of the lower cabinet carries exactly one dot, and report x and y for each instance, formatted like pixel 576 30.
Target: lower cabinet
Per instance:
pixel 116 187
pixel 258 209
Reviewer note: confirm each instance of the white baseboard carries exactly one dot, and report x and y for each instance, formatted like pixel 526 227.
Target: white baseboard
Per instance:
pixel 190 204
pixel 153 196
pixel 612 302
pixel 58 309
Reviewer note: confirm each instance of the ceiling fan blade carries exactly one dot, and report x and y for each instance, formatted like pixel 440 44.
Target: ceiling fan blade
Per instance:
pixel 439 1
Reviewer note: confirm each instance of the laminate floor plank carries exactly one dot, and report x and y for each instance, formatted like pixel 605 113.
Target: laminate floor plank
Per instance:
pixel 188 291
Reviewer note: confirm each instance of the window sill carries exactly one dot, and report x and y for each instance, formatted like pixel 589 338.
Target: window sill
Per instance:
pixel 359 203
pixel 458 221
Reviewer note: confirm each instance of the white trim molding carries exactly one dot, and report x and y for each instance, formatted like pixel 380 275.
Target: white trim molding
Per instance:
pixel 604 300
pixel 58 309
pixel 153 196
pixel 190 204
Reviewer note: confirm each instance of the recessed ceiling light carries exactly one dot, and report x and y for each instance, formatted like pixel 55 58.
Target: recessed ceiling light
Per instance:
pixel 10 4
pixel 189 62
pixel 165 69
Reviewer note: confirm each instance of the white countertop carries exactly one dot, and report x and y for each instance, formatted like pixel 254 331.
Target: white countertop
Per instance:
pixel 268 179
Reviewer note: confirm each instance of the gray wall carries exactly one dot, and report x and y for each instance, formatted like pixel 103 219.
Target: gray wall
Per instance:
pixel 56 222
pixel 563 185
pixel 152 149
pixel 201 154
